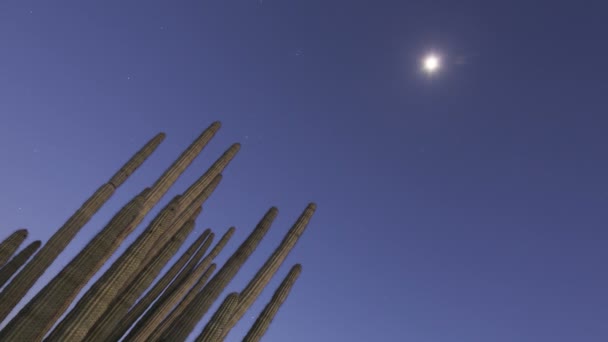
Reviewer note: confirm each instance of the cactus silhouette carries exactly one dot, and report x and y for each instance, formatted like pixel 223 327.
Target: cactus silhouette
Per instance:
pixel 215 328
pixel 126 302
pixel 11 244
pixel 16 262
pixel 174 295
pixel 263 321
pixel 25 279
pixel 202 243
pixel 187 320
pixel 120 306
pixel 35 319
pixel 251 292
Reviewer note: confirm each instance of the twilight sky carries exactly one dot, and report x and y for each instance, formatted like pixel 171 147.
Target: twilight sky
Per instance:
pixel 467 206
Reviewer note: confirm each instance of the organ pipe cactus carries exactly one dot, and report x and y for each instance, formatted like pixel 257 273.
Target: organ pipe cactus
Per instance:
pixel 25 279
pixel 120 306
pixel 187 320
pixel 215 328
pixel 173 296
pixel 251 292
pixel 35 319
pixel 202 243
pixel 174 304
pixel 263 321
pixel 184 303
pixel 11 244
pixel 16 262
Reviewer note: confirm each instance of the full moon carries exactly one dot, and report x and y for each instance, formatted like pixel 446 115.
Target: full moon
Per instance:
pixel 431 63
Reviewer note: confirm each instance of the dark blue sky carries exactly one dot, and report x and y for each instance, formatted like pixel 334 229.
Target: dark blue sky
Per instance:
pixel 469 206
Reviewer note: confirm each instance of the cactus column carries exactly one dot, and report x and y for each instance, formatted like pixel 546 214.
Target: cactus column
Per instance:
pixel 25 279
pixel 120 306
pixel 187 320
pixel 13 266
pixel 174 294
pixel 38 316
pixel 263 321
pixel 251 292
pixel 11 244
pixel 202 243
pixel 215 328
pixel 80 319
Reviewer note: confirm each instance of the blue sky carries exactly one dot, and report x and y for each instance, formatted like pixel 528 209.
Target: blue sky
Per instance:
pixel 467 206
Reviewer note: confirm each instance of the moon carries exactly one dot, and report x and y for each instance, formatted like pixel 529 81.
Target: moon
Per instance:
pixel 431 63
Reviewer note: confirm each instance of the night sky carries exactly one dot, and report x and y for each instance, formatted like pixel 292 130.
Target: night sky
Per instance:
pixel 467 205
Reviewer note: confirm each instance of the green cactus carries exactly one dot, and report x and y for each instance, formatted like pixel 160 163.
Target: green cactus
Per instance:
pixel 263 321
pixel 172 297
pixel 15 263
pixel 187 320
pixel 33 270
pixel 217 324
pixel 11 244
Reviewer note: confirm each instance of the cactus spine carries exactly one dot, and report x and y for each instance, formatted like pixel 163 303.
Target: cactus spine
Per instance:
pixel 187 320
pixel 13 266
pixel 263 321
pixel 32 271
pixel 216 326
pixel 11 244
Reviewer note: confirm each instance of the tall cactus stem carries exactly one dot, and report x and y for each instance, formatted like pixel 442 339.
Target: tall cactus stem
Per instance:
pixel 187 320
pixel 202 243
pixel 15 263
pixel 174 295
pixel 9 246
pixel 33 270
pixel 261 324
pixel 217 324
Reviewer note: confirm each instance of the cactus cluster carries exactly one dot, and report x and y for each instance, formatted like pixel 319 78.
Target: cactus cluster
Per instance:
pixel 125 303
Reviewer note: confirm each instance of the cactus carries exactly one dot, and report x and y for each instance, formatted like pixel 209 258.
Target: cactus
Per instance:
pixel 173 305
pixel 162 185
pixel 217 323
pixel 255 286
pixel 33 270
pixel 172 296
pixel 95 301
pixel 193 209
pixel 202 243
pixel 79 320
pixel 11 244
pixel 13 266
pixel 120 306
pixel 37 317
pixel 182 305
pixel 263 321
pixel 187 320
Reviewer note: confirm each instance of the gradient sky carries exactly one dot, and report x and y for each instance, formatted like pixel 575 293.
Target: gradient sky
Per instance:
pixel 469 206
